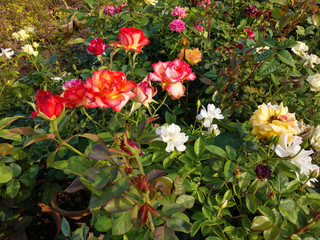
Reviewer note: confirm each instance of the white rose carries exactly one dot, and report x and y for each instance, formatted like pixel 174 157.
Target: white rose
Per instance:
pixel 300 49
pixel 28 49
pixel 23 35
pixel 314 81
pixel 35 44
pixel 315 139
pixel 309 60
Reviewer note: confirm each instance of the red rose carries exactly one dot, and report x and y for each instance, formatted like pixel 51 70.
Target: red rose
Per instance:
pixel 109 89
pixel 96 47
pixel 49 106
pixel 172 74
pixel 132 39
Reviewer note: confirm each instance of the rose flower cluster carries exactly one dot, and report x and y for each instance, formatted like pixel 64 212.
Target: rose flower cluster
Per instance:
pixel 108 88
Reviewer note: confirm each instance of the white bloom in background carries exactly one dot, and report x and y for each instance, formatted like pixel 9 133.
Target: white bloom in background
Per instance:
pixel 301 158
pixel 259 49
pixel 209 115
pixel 315 139
pixel 15 36
pixel 29 29
pixel 8 52
pixel 152 2
pixel 314 81
pixel 173 137
pixel 310 60
pixel 300 49
pixel 28 49
pixel 23 35
pixel 56 79
pixel 35 45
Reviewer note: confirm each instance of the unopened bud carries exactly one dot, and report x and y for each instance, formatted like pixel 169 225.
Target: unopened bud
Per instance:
pixel 315 173
pixel 198 104
pixel 223 203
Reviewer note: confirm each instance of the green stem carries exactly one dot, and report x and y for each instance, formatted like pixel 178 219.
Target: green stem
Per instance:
pixel 90 118
pixel 56 132
pixel 160 105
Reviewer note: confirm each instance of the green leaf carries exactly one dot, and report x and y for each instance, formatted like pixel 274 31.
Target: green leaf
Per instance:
pixel 292 186
pixel 268 66
pixel 229 167
pixel 286 57
pixel 251 203
pixel 33 171
pixel 195 228
pixel 272 233
pixel 164 233
pixel 76 165
pixel 170 118
pixel 119 204
pixel 285 19
pixel 269 42
pixel 143 21
pixel 179 224
pixel 179 186
pixel 186 200
pixel 266 211
pixel 141 72
pixel 75 41
pixel 92 3
pixel 122 224
pixel 231 152
pixel 13 188
pixel 261 223
pixel 279 182
pixel 287 43
pixel 136 222
pixel 6 121
pixel 6 174
pixel 126 16
pixel 103 224
pixel 119 187
pixel 199 147
pixel 216 150
pixel 244 180
pixel 65 227
pixel 169 210
pixel 265 54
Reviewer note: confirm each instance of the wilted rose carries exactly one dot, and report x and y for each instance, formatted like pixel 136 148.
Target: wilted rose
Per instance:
pixel 109 89
pixel 262 171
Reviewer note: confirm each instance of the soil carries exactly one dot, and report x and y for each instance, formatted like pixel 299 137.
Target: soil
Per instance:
pixel 43 227
pixel 73 201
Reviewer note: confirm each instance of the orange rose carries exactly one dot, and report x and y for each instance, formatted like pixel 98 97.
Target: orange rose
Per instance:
pixel 109 89
pixel 132 39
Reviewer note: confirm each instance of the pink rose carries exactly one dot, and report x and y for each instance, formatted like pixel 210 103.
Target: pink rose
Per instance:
pixel 177 25
pixel 144 91
pixel 172 74
pixel 109 89
pixel 250 33
pixel 179 11
pixel 112 10
pixel 200 28
pixel 96 47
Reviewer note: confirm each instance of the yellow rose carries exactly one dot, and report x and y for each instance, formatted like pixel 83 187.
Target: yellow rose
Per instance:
pixel 192 56
pixel 273 120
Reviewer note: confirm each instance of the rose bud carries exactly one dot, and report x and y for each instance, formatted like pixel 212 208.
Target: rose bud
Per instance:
pixel 262 171
pixel 144 91
pixel 48 106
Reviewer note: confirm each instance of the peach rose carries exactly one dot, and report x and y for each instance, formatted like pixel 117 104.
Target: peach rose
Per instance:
pixel 145 91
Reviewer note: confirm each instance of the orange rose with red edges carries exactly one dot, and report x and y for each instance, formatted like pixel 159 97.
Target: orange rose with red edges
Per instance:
pixel 109 89
pixel 132 39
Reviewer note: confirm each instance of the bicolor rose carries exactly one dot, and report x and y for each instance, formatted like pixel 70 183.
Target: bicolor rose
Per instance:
pixel 96 46
pixel 74 93
pixel 172 74
pixel 145 91
pixel 132 39
pixel 109 89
